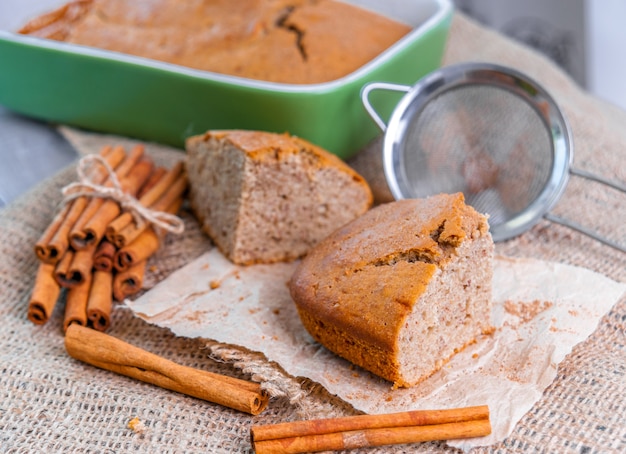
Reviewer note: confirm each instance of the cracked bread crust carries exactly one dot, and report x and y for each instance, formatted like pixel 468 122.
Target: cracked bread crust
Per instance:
pixel 286 41
pixel 265 197
pixel 400 289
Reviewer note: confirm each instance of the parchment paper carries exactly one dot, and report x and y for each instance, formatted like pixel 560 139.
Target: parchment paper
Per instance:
pixel 541 310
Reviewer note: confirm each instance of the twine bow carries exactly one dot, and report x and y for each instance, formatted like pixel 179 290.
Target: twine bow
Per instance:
pixel 87 187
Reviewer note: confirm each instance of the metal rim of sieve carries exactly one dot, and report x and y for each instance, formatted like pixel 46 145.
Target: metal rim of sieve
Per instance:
pixel 451 77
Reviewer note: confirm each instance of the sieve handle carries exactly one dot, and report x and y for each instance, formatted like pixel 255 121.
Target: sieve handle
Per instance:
pixel 584 230
pixel 368 105
pixel 580 228
pixel 598 179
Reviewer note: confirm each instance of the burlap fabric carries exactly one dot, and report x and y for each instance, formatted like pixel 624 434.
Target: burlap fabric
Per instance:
pixel 52 403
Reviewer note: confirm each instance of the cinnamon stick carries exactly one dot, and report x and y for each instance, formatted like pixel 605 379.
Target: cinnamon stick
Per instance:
pixel 103 257
pixel 155 176
pixel 62 271
pixel 81 266
pixel 54 241
pixel 76 303
pixel 129 282
pixel 135 156
pixel 132 231
pixel 173 192
pixel 114 230
pixel 100 300
pixel 164 185
pixel 94 204
pixel 371 430
pixel 374 437
pixel 147 199
pixel 93 230
pixel 123 231
pixel 145 244
pixel 139 250
pixel 347 423
pixel 44 296
pixel 107 352
pixel 41 246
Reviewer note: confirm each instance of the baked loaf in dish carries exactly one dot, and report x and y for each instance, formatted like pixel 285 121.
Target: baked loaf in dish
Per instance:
pixel 288 41
pixel 265 197
pixel 401 289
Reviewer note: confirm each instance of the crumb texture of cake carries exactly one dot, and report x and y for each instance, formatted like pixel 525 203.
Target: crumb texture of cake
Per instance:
pixel 401 289
pixel 264 197
pixel 287 41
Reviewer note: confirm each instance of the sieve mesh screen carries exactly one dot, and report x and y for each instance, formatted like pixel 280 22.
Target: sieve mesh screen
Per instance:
pixel 484 141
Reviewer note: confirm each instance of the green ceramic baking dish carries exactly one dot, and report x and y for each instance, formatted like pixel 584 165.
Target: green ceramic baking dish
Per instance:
pixel 154 101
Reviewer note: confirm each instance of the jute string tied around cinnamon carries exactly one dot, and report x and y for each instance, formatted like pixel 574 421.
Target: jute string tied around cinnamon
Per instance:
pixel 141 214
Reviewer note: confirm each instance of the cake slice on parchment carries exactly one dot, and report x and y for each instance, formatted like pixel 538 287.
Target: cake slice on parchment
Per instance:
pixel 401 289
pixel 264 197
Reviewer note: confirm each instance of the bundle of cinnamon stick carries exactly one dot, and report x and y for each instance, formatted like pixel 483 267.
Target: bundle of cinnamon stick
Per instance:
pixel 98 244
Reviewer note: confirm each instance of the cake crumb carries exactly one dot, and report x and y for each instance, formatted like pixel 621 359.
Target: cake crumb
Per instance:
pixel 526 311
pixel 136 425
pixel 214 284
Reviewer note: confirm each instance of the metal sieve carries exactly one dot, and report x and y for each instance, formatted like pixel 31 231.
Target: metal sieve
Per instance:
pixel 489 132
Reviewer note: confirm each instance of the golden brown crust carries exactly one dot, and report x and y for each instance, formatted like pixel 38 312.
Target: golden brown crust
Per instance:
pixel 358 286
pixel 288 41
pixel 413 236
pixel 261 145
pixel 351 346
pixel 58 23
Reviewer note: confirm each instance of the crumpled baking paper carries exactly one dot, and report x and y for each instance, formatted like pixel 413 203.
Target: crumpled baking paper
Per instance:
pixel 541 310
